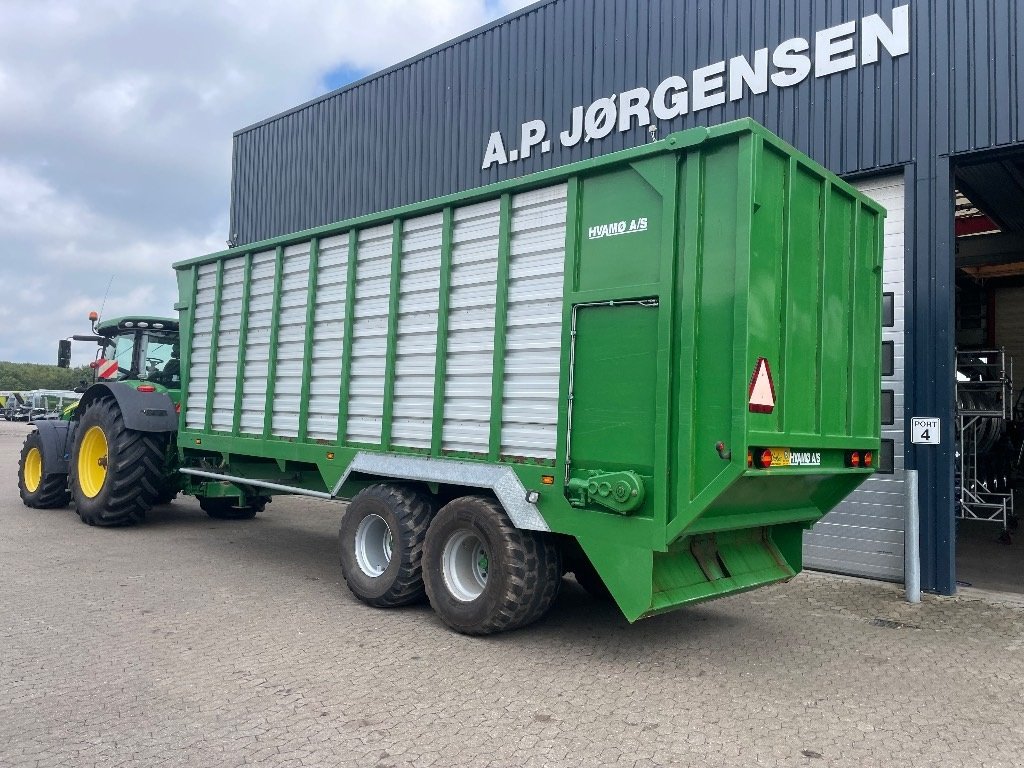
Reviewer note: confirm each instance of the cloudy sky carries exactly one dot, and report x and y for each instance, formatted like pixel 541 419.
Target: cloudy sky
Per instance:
pixel 115 133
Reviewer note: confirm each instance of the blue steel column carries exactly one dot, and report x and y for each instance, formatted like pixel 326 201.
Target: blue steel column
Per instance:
pixel 930 363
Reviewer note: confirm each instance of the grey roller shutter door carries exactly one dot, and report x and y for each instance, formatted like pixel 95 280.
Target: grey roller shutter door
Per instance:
pixel 863 536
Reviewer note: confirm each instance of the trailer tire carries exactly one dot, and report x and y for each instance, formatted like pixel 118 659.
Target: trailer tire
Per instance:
pixel 116 472
pixel 226 509
pixel 37 488
pixel 482 574
pixel 381 544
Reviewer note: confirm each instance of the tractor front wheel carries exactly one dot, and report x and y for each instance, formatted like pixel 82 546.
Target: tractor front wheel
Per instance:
pixel 37 488
pixel 116 472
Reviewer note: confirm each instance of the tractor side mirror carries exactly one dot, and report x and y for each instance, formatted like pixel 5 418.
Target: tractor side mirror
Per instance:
pixel 64 353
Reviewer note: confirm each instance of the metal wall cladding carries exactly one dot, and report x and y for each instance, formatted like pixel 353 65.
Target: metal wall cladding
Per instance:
pixel 370 335
pixel 534 323
pixel 863 536
pixel 328 337
pixel 419 130
pixel 471 321
pixel 976 72
pixel 202 343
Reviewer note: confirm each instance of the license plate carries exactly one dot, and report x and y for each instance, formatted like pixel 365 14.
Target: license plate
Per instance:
pixel 787 457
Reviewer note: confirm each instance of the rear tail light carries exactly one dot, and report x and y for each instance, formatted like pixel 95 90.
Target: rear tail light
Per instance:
pixel 146 388
pixel 858 459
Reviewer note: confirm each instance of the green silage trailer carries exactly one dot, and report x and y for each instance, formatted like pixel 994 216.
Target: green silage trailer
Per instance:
pixel 653 369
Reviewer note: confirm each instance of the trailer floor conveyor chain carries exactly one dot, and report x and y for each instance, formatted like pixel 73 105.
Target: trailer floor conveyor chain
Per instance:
pixel 654 368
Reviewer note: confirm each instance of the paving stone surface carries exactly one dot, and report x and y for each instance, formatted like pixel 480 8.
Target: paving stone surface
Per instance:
pixel 194 642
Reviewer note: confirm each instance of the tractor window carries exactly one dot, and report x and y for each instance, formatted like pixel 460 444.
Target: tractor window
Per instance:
pixel 161 360
pixel 121 352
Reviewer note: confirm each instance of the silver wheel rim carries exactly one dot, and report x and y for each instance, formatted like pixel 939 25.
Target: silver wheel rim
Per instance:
pixel 373 545
pixel 464 565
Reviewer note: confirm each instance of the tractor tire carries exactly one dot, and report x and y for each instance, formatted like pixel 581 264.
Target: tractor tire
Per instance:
pixel 226 509
pixel 166 496
pixel 38 489
pixel 116 473
pixel 381 544
pixel 482 574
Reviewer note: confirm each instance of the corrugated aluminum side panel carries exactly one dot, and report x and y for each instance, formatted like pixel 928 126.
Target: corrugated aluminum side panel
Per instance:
pixel 291 340
pixel 534 323
pixel 222 418
pixel 470 363
pixel 370 335
pixel 863 535
pixel 202 343
pixel 257 343
pixel 419 290
pixel 328 338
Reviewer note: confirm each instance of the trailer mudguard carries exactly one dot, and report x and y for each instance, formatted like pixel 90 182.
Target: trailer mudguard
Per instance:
pixel 142 411
pixel 502 480
pixel 57 438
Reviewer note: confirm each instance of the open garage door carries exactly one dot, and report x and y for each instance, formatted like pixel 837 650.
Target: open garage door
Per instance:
pixel 863 536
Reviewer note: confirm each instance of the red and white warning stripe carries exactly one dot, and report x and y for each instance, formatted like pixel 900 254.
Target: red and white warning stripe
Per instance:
pixel 106 369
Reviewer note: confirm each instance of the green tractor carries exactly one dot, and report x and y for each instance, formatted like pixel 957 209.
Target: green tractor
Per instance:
pixel 114 454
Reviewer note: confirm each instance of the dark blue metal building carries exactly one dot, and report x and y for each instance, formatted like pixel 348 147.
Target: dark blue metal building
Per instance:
pixel 895 94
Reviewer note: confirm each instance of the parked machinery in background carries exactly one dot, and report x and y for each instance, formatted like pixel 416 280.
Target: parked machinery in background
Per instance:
pixel 989 440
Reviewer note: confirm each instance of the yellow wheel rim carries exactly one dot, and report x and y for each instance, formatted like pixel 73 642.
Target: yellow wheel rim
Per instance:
pixel 33 470
pixel 92 462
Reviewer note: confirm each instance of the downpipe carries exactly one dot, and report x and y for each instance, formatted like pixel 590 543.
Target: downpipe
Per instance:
pixel 912 542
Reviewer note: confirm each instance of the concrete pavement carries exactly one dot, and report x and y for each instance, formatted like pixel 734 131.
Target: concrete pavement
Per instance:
pixel 194 642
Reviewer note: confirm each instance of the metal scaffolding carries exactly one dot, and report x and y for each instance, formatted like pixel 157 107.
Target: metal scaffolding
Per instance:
pixel 984 395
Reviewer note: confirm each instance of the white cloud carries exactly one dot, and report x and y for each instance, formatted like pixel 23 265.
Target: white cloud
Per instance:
pixel 115 133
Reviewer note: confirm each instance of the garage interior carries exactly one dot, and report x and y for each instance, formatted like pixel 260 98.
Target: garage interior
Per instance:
pixel 989 457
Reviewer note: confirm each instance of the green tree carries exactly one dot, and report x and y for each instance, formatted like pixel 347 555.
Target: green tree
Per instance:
pixel 25 376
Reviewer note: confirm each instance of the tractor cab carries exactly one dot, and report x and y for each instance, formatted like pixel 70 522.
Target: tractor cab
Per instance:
pixel 132 349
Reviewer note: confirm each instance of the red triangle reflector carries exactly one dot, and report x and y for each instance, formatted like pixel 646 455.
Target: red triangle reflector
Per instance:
pixel 762 388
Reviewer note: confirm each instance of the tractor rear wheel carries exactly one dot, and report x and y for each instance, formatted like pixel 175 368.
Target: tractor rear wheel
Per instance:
pixel 37 488
pixel 116 472
pixel 484 575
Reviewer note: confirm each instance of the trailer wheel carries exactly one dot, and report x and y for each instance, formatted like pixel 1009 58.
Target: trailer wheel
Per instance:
pixel 37 488
pixel 226 509
pixel 381 544
pixel 116 472
pixel 482 574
